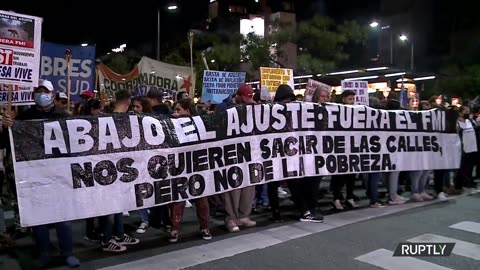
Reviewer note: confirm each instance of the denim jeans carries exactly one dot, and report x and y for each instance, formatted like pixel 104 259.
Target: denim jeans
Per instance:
pixel 372 188
pixel 261 194
pixel 418 180
pixel 144 215
pixel 41 235
pixel 108 230
pixel 392 178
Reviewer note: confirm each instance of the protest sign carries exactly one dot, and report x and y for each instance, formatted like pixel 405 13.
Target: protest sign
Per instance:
pixel 20 39
pixel 125 162
pixel 54 68
pixel 264 94
pixel 110 81
pixel 312 85
pixel 218 85
pixel 361 91
pixel 148 74
pixel 273 77
pixel 172 78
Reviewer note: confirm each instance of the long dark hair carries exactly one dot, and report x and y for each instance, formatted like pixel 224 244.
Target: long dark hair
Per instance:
pixel 89 106
pixel 146 105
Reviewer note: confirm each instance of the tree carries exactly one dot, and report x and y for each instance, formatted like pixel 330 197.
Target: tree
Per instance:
pixel 122 63
pixel 222 52
pixel 261 51
pixel 457 79
pixel 322 43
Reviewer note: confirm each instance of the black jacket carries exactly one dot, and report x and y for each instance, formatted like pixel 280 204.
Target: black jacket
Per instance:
pixel 32 114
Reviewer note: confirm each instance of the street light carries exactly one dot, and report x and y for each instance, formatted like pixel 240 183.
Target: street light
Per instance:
pixel 171 7
pixel 375 24
pixel 84 44
pixel 404 38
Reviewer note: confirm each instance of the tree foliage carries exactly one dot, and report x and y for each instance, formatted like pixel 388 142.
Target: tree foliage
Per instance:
pixel 458 79
pixel 322 43
pixel 222 52
pixel 321 47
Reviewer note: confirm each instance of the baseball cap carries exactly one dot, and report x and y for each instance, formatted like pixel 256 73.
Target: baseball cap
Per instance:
pixel 155 93
pixel 87 94
pixel 61 95
pixel 245 91
pixel 45 84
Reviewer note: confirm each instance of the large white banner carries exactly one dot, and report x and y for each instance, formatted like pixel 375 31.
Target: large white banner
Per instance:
pixel 77 168
pixel 20 41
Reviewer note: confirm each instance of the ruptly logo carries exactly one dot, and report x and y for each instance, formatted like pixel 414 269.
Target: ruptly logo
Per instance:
pixel 423 249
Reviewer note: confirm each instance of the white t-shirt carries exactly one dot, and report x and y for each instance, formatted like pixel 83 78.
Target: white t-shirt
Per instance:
pixel 469 139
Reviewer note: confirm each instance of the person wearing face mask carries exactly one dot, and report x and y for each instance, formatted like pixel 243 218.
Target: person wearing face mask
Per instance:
pixel 45 108
pixel 466 131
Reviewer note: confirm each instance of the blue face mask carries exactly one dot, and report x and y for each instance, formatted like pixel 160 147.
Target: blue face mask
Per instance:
pixel 43 99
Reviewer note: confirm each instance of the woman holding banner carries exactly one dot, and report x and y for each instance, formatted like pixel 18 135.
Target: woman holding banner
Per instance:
pixel 465 127
pixel 186 108
pixel 393 176
pixel 419 178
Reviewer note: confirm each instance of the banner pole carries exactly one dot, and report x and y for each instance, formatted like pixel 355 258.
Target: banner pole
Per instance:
pixel 68 56
pixel 9 104
pixel 190 41
pixel 96 80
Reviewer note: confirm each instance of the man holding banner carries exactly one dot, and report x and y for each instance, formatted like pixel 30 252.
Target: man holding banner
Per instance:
pixel 45 108
pixel 238 202
pixel 303 190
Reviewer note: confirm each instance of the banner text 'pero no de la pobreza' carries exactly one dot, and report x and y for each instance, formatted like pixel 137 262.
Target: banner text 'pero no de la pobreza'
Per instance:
pixel 85 167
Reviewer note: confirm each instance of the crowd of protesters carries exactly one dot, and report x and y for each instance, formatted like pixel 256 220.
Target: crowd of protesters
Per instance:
pixel 238 205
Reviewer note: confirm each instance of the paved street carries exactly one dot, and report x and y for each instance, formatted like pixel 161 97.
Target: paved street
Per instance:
pixel 361 239
pixel 364 243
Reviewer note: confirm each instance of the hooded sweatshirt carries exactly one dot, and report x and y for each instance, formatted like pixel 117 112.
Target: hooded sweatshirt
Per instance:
pixel 284 91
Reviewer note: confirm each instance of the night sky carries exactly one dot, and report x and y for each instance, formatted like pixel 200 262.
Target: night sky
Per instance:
pixel 111 23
